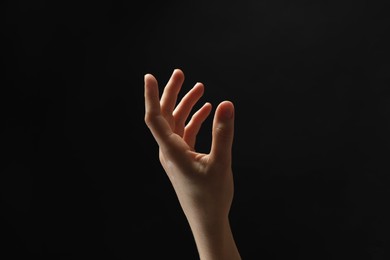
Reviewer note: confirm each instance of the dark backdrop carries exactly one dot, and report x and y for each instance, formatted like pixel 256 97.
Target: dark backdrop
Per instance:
pixel 80 176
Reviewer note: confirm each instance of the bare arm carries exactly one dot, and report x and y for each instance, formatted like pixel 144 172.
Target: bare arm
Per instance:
pixel 203 182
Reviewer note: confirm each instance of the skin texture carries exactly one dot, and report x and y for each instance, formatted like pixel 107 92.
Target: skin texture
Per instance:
pixel 203 182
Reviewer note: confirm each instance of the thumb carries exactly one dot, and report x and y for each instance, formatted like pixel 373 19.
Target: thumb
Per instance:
pixel 223 132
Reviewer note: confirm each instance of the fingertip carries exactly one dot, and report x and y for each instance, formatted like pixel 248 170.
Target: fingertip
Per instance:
pixel 178 73
pixel 199 83
pixel 149 79
pixel 147 75
pixel 208 106
pixel 199 87
pixel 178 70
pixel 226 109
pixel 227 103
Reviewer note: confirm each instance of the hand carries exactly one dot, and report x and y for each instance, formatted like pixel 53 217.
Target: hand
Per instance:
pixel 203 182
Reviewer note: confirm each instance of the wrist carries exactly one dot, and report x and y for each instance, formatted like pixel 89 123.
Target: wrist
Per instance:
pixel 214 239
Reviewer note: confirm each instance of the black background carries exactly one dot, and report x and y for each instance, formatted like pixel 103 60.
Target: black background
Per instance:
pixel 80 176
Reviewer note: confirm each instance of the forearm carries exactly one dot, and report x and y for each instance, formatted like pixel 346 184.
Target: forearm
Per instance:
pixel 215 241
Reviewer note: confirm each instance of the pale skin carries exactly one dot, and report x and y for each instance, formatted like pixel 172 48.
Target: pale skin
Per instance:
pixel 203 182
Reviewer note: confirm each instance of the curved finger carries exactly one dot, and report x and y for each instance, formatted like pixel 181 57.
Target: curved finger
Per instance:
pixel 153 118
pixel 183 109
pixel 171 90
pixel 193 126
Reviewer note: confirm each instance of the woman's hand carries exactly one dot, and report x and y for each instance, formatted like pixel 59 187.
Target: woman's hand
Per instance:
pixel 203 182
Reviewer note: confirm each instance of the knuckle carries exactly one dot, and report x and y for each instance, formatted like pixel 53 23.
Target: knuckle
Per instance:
pixel 148 119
